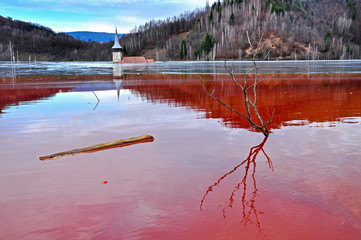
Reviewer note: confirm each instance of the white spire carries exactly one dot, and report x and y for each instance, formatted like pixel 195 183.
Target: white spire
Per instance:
pixel 116 41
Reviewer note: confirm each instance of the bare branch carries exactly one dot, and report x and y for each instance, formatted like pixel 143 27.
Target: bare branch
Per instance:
pixel 232 75
pixel 252 69
pixel 96 96
pixel 249 40
pixel 245 75
pixel 270 120
pixel 221 102
pixel 97 102
pixel 247 101
pixel 258 81
pixel 256 69
pixel 266 55
pixel 259 43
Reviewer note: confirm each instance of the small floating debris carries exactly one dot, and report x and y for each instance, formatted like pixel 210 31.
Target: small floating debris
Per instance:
pixel 100 147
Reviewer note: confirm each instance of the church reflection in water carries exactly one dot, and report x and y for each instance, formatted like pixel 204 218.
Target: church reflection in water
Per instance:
pixel 247 182
pixel 118 77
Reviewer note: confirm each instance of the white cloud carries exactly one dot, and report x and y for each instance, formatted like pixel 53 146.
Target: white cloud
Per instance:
pixel 97 15
pixel 95 26
pixel 119 3
pixel 86 26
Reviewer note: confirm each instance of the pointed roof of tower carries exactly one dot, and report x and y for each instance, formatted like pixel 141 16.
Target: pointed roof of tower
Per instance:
pixel 116 40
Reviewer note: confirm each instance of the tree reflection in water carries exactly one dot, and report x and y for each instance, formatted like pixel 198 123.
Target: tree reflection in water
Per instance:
pixel 248 204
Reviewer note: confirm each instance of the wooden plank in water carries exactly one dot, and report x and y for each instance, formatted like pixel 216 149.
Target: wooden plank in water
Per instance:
pixel 100 147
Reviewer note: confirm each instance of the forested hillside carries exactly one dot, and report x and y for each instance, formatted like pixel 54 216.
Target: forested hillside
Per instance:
pixel 293 29
pixel 26 41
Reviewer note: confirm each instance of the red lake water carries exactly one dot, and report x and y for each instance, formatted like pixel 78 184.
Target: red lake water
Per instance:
pixel 206 175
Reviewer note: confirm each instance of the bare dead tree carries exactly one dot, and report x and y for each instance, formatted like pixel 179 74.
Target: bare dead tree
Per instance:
pixel 245 87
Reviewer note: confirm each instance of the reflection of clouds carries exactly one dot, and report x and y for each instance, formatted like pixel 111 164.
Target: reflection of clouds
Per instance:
pixel 326 124
pixel 65 112
pixel 324 167
pixel 149 212
pixel 68 113
pixel 296 123
pixel 351 120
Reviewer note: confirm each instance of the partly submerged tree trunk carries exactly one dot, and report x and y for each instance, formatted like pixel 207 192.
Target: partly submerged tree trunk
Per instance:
pixel 100 147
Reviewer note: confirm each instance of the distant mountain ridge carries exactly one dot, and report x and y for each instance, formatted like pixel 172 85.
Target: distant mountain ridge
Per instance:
pixel 93 36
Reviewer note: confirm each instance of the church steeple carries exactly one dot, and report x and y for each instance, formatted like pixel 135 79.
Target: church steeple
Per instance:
pixel 116 40
pixel 116 49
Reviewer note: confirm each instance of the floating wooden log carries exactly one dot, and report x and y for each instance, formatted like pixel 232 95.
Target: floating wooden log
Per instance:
pixel 100 147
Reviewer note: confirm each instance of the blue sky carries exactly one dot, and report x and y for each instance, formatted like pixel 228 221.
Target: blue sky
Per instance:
pixel 95 15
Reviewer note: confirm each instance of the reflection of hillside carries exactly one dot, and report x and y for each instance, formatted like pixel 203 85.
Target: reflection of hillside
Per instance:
pixel 36 88
pixel 15 96
pixel 316 98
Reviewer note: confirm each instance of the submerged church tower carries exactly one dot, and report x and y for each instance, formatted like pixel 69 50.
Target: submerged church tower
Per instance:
pixel 116 49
